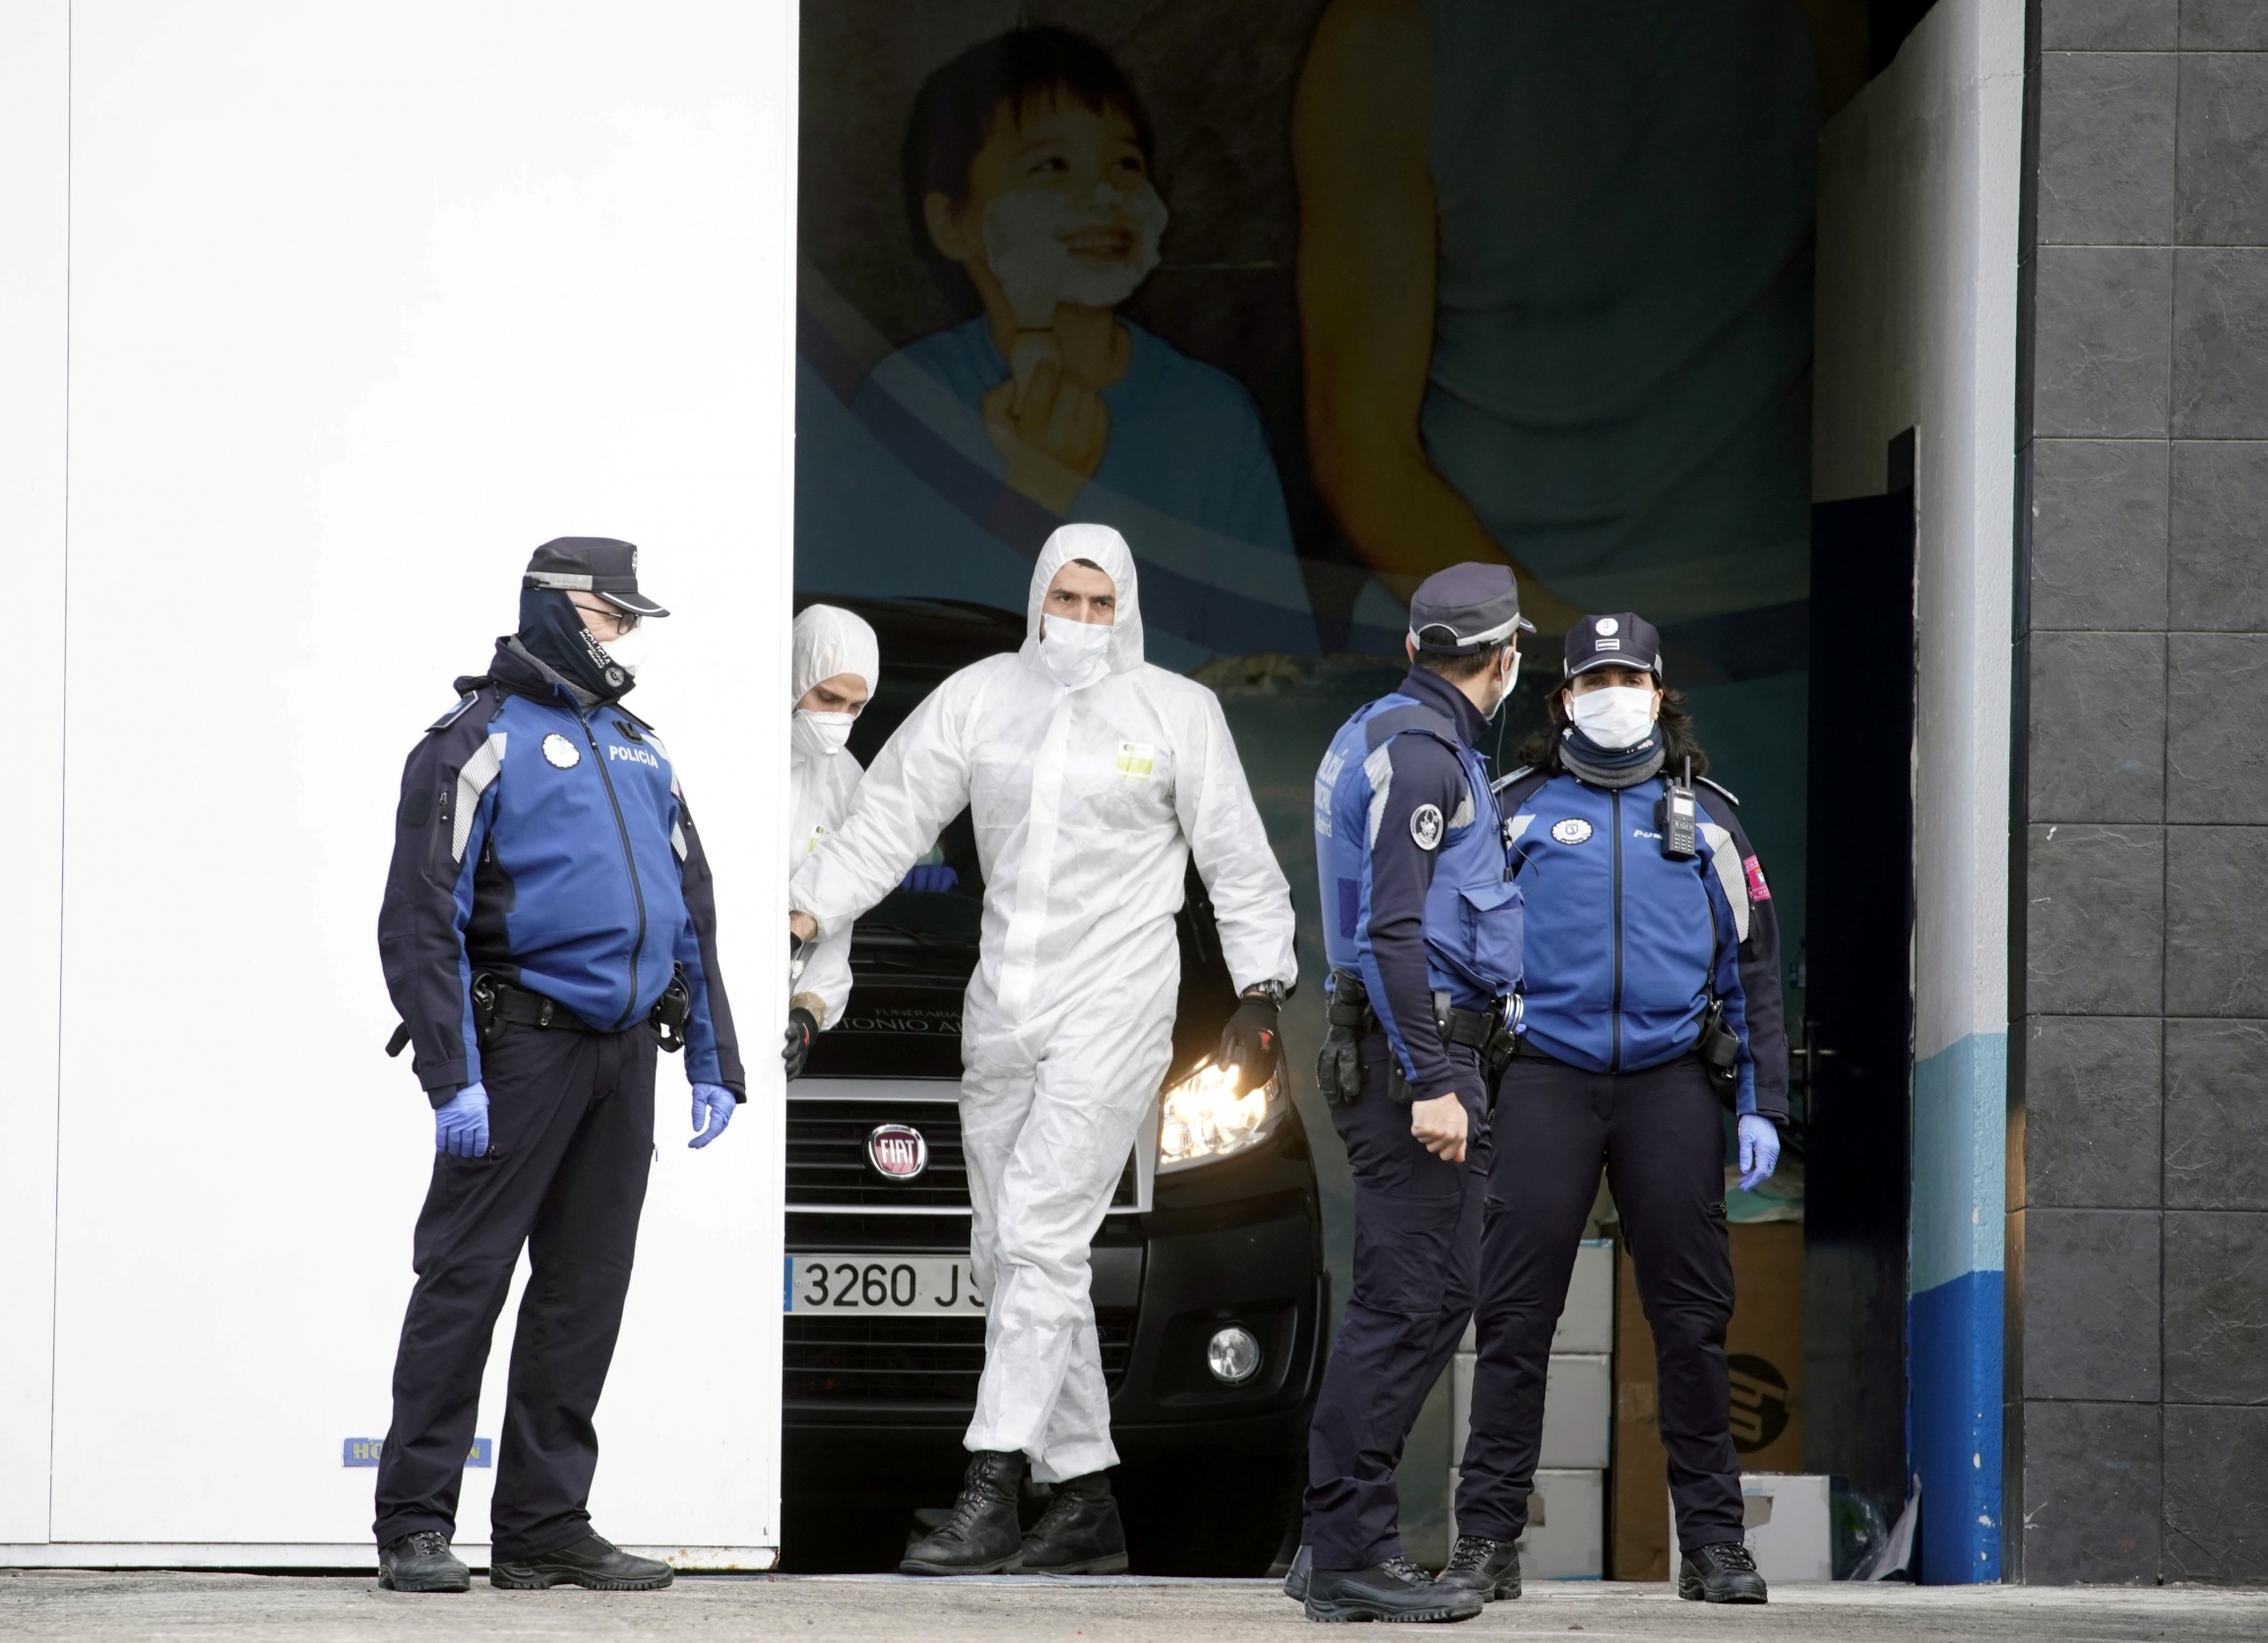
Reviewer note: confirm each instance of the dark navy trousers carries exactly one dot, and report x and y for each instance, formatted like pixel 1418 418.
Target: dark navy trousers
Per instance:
pixel 571 1141
pixel 1660 1133
pixel 1417 1230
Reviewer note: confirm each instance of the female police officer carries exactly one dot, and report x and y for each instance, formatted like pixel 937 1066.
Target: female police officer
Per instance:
pixel 1651 995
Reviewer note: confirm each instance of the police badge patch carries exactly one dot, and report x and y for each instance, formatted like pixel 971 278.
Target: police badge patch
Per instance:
pixel 559 751
pixel 1426 826
pixel 1573 831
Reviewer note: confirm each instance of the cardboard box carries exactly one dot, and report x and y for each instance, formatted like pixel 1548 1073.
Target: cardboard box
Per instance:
pixel 1566 1534
pixel 1786 1525
pixel 1765 1350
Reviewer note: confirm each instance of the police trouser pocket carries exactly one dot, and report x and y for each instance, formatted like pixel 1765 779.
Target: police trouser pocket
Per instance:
pixel 1403 1247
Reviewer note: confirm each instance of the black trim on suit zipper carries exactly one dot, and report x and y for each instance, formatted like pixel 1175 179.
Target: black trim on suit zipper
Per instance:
pixel 1615 1065
pixel 629 865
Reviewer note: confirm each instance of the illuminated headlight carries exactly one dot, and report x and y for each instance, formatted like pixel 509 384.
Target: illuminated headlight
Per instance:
pixel 1204 1119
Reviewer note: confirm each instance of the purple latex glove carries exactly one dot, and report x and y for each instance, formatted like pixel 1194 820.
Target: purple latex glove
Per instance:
pixel 1759 1150
pixel 461 1128
pixel 932 879
pixel 713 1106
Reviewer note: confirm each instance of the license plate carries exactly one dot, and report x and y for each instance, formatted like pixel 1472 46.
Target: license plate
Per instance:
pixel 934 1285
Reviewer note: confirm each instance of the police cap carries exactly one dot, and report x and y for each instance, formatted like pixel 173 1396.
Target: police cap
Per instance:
pixel 1466 609
pixel 592 565
pixel 1621 640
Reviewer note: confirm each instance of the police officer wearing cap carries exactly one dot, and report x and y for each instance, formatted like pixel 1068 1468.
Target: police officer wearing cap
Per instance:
pixel 549 927
pixel 1421 925
pixel 1651 1003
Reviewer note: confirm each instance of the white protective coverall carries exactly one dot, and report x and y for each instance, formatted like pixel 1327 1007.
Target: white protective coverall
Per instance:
pixel 1087 803
pixel 820 781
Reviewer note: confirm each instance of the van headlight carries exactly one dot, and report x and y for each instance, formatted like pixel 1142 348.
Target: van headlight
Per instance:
pixel 1204 1119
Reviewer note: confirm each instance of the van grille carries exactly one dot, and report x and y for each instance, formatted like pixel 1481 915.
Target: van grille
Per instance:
pixel 911 1360
pixel 827 1166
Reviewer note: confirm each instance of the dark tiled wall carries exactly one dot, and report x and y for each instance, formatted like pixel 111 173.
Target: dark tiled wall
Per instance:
pixel 2137 1380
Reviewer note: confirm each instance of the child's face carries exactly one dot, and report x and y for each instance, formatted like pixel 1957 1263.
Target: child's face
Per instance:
pixel 1061 147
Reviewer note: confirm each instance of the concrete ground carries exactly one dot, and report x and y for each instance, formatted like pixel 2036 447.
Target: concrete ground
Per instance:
pixel 95 1607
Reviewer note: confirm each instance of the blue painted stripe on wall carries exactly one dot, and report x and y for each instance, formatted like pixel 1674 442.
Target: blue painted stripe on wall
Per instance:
pixel 1960 1161
pixel 1953 1370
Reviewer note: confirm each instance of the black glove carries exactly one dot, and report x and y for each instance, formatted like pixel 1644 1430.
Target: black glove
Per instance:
pixel 1339 1066
pixel 802 1028
pixel 1248 1041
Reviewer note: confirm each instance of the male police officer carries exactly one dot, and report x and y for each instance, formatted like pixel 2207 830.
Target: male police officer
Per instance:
pixel 1421 925
pixel 549 923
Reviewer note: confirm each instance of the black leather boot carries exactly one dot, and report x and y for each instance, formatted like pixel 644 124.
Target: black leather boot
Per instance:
pixel 1295 1578
pixel 983 1535
pixel 590 1563
pixel 1720 1573
pixel 421 1562
pixel 1488 1567
pixel 1079 1532
pixel 1395 1590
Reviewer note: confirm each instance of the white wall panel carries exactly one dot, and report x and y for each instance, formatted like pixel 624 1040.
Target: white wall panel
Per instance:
pixel 367 301
pixel 34 260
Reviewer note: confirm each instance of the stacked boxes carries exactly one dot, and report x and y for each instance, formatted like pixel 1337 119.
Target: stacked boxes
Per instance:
pixel 1566 1516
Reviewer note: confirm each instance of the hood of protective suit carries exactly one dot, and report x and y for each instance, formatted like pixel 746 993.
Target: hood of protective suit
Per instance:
pixel 1109 549
pixel 828 641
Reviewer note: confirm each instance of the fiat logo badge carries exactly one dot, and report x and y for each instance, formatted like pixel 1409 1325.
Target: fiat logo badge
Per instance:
pixel 897 1151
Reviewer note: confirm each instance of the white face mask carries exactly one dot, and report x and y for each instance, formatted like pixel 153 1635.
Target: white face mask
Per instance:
pixel 1511 679
pixel 1025 245
pixel 628 651
pixel 821 735
pixel 1616 717
pixel 1076 653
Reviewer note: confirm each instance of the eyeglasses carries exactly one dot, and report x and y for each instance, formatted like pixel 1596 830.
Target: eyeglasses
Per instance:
pixel 621 621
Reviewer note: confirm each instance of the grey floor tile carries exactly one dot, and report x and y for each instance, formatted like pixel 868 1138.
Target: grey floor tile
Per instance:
pixel 2216 937
pixel 2101 349
pixel 2091 1113
pixel 2217 571
pixel 2217 728
pixel 2223 140
pixel 2099 535
pixel 2095 916
pixel 2215 1278
pixel 2098 727
pixel 2216 1134
pixel 2216 1493
pixel 2220 343
pixel 2106 148
pixel 2090 1305
pixel 2224 26
pixel 2090 1492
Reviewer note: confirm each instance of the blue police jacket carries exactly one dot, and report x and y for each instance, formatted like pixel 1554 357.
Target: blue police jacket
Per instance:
pixel 1416 897
pixel 1625 947
pixel 545 842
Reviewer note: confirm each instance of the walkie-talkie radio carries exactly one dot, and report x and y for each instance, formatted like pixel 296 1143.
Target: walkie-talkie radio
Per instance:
pixel 1673 817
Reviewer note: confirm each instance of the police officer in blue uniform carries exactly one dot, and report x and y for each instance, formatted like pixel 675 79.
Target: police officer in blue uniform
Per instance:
pixel 1651 1003
pixel 548 926
pixel 1421 925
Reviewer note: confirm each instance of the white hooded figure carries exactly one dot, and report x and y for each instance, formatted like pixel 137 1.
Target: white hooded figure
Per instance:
pixel 1092 779
pixel 822 775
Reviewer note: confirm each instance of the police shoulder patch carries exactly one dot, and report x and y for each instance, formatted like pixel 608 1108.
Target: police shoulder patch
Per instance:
pixel 1426 826
pixel 454 713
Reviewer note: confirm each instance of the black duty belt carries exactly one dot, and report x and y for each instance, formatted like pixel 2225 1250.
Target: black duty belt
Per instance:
pixel 501 1003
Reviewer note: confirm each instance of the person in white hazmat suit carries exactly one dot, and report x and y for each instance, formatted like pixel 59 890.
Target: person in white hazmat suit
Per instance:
pixel 1093 780
pixel 835 666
